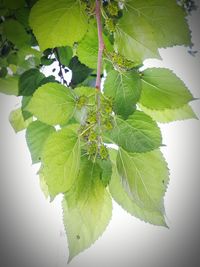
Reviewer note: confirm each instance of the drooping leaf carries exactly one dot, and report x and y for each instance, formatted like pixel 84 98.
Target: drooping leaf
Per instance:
pixel 16 33
pixel 9 85
pixel 61 160
pixel 36 136
pixel 169 115
pixel 79 71
pixel 52 103
pixel 157 23
pixel 135 43
pixel 58 23
pixel 29 81
pixel 162 89
pixel 122 198
pixel 144 177
pixel 17 121
pixel 65 54
pixel 125 89
pixel 139 133
pixel 87 209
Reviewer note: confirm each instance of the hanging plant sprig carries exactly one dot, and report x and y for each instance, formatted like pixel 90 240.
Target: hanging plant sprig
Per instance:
pixel 72 125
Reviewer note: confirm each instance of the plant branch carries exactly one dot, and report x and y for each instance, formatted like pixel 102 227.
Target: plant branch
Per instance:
pixel 101 44
pixel 99 65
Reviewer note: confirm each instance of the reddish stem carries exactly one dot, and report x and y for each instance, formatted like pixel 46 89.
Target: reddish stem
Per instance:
pixel 101 44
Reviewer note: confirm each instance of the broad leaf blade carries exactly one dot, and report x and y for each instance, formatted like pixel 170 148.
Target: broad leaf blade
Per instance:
pixel 16 33
pixel 139 133
pixel 61 160
pixel 169 115
pixel 87 209
pixel 125 89
pixel 87 50
pixel 162 89
pixel 36 136
pixel 29 81
pixel 144 177
pixel 79 71
pixel 122 198
pixel 52 104
pixel 9 85
pixel 58 23
pixel 157 24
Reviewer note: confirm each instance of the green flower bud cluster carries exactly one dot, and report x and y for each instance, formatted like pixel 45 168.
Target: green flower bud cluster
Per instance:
pixel 89 6
pixel 82 101
pixel 98 119
pixel 110 25
pixel 121 62
pixel 112 9
pixel 111 15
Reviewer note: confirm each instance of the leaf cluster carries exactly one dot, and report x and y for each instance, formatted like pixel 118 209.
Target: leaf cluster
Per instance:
pixel 93 145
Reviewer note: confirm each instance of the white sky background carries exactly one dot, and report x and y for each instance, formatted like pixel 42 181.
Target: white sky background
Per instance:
pixel 31 228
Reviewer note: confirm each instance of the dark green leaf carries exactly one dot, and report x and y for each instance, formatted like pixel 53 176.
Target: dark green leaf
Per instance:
pixel 79 71
pixel 16 33
pixel 29 81
pixel 65 54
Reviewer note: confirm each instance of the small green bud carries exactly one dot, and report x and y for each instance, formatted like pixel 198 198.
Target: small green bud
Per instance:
pixel 113 9
pixel 109 24
pixel 103 152
pixel 82 101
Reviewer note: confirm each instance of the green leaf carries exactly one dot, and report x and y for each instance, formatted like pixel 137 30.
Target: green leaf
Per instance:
pixel 87 209
pixel 58 23
pixel 17 121
pixel 88 92
pixel 106 168
pixel 79 71
pixel 16 33
pixel 139 133
pixel 61 160
pixel 87 50
pixel 29 81
pixel 168 115
pixel 36 136
pixel 122 198
pixel 157 23
pixel 125 89
pixel 43 185
pixel 144 177
pixel 9 85
pixel 65 54
pixel 25 101
pixel 162 89
pixel 22 15
pixel 13 4
pixel 52 103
